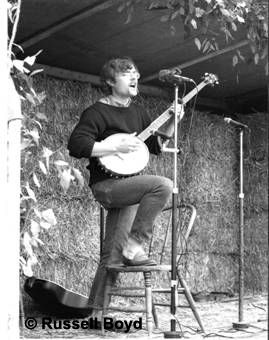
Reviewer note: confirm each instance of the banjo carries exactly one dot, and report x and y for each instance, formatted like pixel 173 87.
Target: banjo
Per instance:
pixel 132 163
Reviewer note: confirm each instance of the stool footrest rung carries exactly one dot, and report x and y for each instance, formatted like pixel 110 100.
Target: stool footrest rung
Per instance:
pixel 121 291
pixel 127 288
pixel 163 304
pixel 126 294
pixel 127 309
pixel 166 290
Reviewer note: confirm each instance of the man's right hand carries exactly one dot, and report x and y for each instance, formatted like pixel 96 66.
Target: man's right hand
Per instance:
pixel 127 144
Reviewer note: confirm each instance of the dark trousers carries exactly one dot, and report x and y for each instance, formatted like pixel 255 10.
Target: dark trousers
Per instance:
pixel 133 204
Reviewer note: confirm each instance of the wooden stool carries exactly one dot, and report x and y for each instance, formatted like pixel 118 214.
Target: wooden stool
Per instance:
pixel 186 216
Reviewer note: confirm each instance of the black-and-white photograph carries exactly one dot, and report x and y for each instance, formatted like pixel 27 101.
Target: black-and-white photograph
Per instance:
pixel 135 166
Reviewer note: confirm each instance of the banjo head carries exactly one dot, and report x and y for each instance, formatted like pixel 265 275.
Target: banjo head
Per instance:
pixel 125 164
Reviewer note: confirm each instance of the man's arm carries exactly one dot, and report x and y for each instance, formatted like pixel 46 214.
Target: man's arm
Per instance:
pixel 124 145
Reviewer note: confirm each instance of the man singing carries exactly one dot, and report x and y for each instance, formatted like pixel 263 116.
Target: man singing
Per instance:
pixel 132 203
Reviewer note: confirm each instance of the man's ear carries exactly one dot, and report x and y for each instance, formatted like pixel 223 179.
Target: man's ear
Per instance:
pixel 110 82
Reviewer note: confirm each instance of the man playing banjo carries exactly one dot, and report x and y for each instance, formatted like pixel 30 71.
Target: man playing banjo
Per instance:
pixel 133 202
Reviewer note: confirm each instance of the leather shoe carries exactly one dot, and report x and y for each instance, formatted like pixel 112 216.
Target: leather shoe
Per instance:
pixel 139 260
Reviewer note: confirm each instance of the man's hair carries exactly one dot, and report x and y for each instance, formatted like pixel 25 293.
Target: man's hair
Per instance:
pixel 111 68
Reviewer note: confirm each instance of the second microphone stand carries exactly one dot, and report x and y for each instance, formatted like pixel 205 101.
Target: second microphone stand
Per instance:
pixel 173 333
pixel 241 324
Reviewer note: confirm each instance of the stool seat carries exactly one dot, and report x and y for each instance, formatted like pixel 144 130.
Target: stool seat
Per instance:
pixel 136 269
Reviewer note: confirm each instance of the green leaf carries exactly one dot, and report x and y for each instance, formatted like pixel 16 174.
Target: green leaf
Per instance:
pixel 30 192
pixel 182 10
pixel 240 55
pixel 41 116
pixel 45 225
pixel 22 260
pixel 174 15
pixel 35 228
pixel 49 217
pixel 237 78
pixel 206 46
pixel 37 212
pixel 225 12
pixel 199 12
pixel 31 60
pixel 172 30
pixel 43 168
pixel 234 27
pixel 78 176
pixel 59 162
pixel 121 7
pixel 165 18
pixel 39 241
pixel 256 58
pixel 36 181
pixel 26 267
pixel 25 143
pixel 19 64
pixel 27 243
pixel 65 179
pixel 36 72
pixel 37 123
pixel 31 98
pixel 129 18
pixel 264 53
pixel 240 19
pixel 40 97
pixel 197 43
pixel 47 153
pixel 228 35
pixel 35 135
pixel 194 23
pixel 235 60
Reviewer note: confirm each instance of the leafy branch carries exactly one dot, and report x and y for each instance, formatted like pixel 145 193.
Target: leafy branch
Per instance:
pixel 37 160
pixel 201 15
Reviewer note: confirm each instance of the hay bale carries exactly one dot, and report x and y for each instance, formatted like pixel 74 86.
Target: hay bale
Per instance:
pixel 207 177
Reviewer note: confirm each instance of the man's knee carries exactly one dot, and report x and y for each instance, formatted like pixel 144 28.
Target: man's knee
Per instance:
pixel 166 186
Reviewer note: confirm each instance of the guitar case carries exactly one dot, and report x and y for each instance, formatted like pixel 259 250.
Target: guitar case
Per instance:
pixel 56 300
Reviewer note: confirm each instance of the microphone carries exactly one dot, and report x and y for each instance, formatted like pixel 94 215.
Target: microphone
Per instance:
pixel 235 123
pixel 173 76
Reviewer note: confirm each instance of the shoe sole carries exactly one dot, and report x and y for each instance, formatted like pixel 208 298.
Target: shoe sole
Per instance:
pixel 134 263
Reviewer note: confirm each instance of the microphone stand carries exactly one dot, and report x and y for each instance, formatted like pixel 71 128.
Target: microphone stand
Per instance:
pixel 241 324
pixel 173 333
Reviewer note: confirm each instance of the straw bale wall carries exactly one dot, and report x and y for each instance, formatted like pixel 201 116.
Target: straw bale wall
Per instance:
pixel 208 177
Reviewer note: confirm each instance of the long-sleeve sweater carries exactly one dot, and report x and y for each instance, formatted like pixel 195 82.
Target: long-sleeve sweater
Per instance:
pixel 100 121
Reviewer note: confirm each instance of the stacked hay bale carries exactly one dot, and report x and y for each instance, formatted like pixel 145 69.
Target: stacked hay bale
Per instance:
pixel 207 176
pixel 206 179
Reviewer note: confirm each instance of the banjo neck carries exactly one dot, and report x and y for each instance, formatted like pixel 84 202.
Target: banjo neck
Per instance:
pixel 164 117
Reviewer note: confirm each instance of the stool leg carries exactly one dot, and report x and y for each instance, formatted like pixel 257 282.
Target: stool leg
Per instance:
pixel 22 315
pixel 155 316
pixel 191 302
pixel 148 293
pixel 106 298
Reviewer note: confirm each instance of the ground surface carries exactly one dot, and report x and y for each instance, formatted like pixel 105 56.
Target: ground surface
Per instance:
pixel 217 317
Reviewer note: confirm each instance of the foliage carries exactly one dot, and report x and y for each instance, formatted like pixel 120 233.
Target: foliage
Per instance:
pixel 33 218
pixel 201 16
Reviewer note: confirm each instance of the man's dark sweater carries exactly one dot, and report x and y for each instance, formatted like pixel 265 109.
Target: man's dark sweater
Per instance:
pixel 100 121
